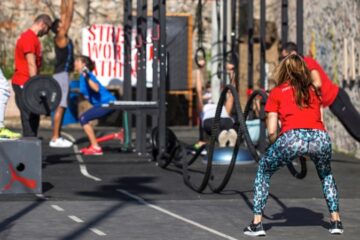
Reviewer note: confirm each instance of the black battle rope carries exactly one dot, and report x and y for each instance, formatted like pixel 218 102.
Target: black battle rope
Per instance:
pixel 240 121
pixel 263 144
pixel 241 130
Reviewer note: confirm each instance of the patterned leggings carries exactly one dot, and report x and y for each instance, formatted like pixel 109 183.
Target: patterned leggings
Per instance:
pixel 314 143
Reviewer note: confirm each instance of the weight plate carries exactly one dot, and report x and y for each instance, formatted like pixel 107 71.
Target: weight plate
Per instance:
pixel 42 94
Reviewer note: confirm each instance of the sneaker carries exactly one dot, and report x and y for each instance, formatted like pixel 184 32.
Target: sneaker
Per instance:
pixel 91 150
pixel 60 143
pixel 255 230
pixel 196 148
pixel 223 138
pixel 232 136
pixel 336 227
pixel 8 134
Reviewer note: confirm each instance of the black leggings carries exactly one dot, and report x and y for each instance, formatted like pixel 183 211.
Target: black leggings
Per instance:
pixel 29 121
pixel 345 111
pixel 225 124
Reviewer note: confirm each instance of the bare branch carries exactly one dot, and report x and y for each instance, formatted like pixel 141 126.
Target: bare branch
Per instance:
pixel 49 5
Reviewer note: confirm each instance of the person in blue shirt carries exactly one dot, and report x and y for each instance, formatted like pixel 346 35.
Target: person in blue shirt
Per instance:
pixel 96 94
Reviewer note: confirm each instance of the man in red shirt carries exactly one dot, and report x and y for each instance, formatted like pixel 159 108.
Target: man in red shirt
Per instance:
pixel 332 96
pixel 27 64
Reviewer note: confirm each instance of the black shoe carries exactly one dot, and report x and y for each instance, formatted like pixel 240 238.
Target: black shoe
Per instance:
pixel 255 230
pixel 336 227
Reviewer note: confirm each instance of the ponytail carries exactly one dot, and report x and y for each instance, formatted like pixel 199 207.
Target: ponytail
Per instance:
pixel 89 64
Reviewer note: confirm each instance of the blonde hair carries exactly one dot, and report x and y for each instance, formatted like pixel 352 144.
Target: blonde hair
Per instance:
pixel 293 70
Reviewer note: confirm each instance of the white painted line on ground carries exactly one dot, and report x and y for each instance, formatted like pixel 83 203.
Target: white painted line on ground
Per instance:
pixel 82 165
pixel 39 195
pixel 174 215
pixel 78 220
pixel 57 208
pixel 75 219
pixel 97 231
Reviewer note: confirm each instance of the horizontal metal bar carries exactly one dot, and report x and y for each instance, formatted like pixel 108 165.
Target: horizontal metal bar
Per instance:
pixel 132 105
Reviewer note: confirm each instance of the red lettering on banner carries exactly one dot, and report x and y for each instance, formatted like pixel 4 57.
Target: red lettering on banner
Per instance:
pixel 103 44
pixel 118 52
pixel 109 70
pixel 118 34
pixel 108 33
pixel 89 52
pixel 92 35
pixel 102 68
pixel 107 51
pixel 101 33
pixel 95 49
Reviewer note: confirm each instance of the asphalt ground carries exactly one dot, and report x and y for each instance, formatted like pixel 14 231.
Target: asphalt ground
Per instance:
pixel 123 196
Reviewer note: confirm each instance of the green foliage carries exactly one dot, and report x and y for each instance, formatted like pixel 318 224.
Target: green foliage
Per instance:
pixel 48 60
pixel 6 61
pixel 8 71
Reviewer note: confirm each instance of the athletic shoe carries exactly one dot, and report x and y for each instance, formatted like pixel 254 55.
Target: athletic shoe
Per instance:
pixel 223 138
pixel 196 148
pixel 92 151
pixel 336 227
pixel 60 143
pixel 255 230
pixel 232 136
pixel 8 134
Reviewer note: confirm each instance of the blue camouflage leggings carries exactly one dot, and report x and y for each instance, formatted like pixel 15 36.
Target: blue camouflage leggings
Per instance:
pixel 294 143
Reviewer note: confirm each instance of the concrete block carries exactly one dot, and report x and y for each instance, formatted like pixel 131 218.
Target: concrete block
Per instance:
pixel 20 166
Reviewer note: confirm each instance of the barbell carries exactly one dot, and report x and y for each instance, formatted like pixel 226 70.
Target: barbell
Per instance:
pixel 41 94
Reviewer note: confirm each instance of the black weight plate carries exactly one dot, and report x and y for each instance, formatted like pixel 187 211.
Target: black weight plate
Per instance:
pixel 42 94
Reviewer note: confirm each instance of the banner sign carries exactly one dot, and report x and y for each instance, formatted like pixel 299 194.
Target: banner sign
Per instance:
pixel 104 44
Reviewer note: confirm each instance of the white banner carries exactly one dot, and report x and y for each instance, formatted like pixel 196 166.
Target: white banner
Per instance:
pixel 104 44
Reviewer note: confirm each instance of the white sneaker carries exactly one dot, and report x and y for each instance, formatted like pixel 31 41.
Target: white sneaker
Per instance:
pixel 60 143
pixel 232 136
pixel 223 138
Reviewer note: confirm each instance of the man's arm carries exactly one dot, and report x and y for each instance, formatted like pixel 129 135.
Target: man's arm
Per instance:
pixel 31 60
pixel 230 99
pixel 272 126
pixel 316 79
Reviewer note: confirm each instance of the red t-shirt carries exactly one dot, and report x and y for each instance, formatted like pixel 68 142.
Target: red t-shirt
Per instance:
pixel 28 42
pixel 329 90
pixel 282 101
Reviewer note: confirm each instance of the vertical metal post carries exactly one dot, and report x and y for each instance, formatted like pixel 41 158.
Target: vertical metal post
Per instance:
pixel 162 89
pixel 215 50
pixel 233 29
pixel 224 48
pixel 262 67
pixel 262 43
pixel 250 44
pixel 141 33
pixel 300 26
pixel 234 44
pixel 155 41
pixel 239 34
pixel 284 21
pixel 127 91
